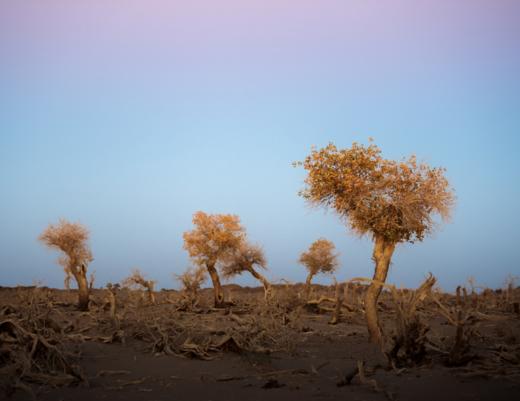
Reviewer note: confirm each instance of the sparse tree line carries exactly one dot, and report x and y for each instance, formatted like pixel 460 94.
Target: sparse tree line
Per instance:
pixel 390 201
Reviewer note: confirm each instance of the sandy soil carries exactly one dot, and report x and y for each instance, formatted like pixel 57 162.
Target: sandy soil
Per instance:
pixel 292 356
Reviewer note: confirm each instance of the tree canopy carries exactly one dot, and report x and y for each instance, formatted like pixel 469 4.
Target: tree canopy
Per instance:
pixel 320 258
pixel 71 239
pixel 245 257
pixel 212 237
pixel 391 200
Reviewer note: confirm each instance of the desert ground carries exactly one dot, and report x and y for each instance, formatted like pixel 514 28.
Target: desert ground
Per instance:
pixel 463 347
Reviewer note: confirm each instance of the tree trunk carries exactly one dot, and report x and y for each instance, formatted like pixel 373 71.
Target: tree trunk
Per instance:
pixel 151 295
pixel 382 256
pixel 66 282
pixel 83 292
pixel 112 289
pixel 263 280
pixel 80 274
pixel 308 286
pixel 337 310
pixel 219 295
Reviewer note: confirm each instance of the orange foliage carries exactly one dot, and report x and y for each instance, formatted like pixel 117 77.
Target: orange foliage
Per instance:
pixel 192 279
pixel 71 239
pixel 320 258
pixel 136 279
pixel 245 257
pixel 213 237
pixel 391 200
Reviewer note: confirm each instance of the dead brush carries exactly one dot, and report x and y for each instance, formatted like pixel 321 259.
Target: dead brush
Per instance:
pixel 192 340
pixel 286 294
pixel 35 301
pixel 268 328
pixel 463 319
pixel 353 295
pixel 191 281
pixel 32 350
pixel 37 312
pixel 204 336
pixel 336 316
pixel 408 343
pixel 510 299
pixel 286 301
pixel 137 280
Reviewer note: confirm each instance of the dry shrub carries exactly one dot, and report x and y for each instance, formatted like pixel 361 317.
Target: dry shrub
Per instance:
pixel 137 280
pixel 32 345
pixel 268 328
pixel 511 297
pixel 409 340
pixel 463 319
pixel 191 281
pixel 244 259
pixel 204 336
pixel 336 316
pixel 286 297
pixel 353 294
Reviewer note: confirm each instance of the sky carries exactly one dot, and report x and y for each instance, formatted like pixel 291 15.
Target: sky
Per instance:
pixel 129 116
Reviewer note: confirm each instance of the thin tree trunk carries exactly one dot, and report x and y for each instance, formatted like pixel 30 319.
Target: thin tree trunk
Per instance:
pixel 112 300
pixel 112 289
pixel 83 292
pixel 263 280
pixel 308 286
pixel 80 274
pixel 337 310
pixel 151 295
pixel 66 281
pixel 217 288
pixel 382 256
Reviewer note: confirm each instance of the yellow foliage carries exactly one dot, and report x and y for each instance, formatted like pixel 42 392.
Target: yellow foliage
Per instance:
pixel 137 279
pixel 391 200
pixel 245 257
pixel 71 239
pixel 213 237
pixel 192 279
pixel 320 258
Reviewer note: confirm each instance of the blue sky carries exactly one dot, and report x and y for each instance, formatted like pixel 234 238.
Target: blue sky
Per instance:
pixel 129 117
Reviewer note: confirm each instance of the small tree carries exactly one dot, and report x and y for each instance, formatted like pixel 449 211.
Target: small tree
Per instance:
pixel 391 201
pixel 191 281
pixel 136 279
pixel 245 257
pixel 209 243
pixel 71 239
pixel 320 258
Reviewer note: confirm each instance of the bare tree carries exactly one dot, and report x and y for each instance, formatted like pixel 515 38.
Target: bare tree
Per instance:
pixel 71 239
pixel 245 257
pixel 392 201
pixel 320 258
pixel 212 239
pixel 137 279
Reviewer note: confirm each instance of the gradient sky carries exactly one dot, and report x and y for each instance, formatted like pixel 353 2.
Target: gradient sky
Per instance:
pixel 129 116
